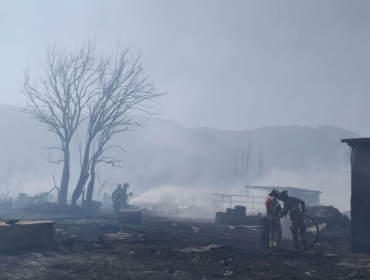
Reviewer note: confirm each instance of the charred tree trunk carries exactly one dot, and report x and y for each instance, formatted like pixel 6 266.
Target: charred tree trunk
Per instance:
pixel 78 190
pixel 84 175
pixel 62 197
pixel 90 188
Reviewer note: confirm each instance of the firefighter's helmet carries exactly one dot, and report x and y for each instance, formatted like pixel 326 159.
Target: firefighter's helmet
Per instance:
pixel 274 193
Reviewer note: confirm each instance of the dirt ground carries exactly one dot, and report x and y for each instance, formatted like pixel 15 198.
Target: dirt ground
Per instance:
pixel 173 248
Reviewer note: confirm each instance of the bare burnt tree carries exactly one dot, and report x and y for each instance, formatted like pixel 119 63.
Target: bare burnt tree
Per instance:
pixel 60 97
pixel 123 89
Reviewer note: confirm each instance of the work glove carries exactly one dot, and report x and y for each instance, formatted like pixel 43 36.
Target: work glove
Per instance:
pixel 283 215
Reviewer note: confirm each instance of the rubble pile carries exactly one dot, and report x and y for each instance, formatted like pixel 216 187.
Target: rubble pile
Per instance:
pixel 329 215
pixel 173 248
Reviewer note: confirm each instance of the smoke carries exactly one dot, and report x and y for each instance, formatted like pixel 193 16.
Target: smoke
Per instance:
pixel 178 201
pixel 166 194
pixel 333 182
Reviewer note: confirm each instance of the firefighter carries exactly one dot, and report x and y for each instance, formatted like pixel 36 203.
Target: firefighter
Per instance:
pixel 117 197
pixel 125 195
pixel 291 206
pixel 273 209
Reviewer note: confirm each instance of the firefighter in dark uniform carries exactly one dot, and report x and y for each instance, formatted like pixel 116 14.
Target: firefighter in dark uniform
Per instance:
pixel 291 206
pixel 117 197
pixel 125 195
pixel 273 210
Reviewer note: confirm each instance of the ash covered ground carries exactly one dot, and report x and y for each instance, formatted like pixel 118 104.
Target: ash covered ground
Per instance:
pixel 173 248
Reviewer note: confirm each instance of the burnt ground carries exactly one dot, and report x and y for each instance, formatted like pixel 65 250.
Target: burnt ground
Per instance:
pixel 174 248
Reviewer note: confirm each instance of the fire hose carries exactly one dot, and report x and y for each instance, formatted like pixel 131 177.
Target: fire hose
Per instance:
pixel 317 233
pixel 314 241
pixel 316 236
pixel 268 252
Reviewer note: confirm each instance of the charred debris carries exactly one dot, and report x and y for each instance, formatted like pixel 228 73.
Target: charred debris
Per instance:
pixel 151 243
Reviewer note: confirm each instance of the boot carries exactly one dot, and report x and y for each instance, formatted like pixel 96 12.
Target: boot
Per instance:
pixel 304 241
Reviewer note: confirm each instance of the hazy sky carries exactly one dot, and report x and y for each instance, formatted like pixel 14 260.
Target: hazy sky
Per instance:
pixel 226 64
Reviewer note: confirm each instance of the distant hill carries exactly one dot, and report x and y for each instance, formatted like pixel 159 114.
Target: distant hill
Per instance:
pixel 165 153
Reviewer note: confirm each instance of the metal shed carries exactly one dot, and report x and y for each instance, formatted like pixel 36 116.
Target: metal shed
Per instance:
pixel 311 197
pixel 360 194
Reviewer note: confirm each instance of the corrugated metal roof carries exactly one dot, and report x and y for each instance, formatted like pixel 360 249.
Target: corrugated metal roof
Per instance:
pixel 365 139
pixel 280 188
pixel 361 143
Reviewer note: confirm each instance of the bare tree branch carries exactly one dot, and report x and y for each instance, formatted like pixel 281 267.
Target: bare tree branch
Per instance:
pixel 121 90
pixel 55 184
pixel 102 183
pixel 53 148
pixel 60 97
pixel 54 161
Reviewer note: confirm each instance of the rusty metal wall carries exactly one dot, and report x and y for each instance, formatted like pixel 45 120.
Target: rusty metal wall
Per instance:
pixel 360 201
